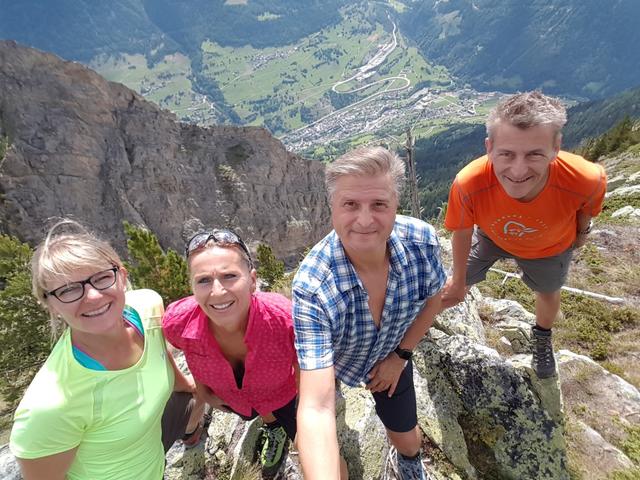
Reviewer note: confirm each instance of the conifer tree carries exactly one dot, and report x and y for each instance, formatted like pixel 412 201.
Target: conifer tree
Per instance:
pixel 151 267
pixel 270 269
pixel 25 340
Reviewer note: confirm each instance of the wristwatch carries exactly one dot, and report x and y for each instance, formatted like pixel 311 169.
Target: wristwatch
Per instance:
pixel 403 353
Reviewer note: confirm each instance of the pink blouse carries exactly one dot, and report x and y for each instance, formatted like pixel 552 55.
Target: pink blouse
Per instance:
pixel 269 379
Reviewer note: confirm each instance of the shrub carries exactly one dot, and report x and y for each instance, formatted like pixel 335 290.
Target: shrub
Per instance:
pixel 270 269
pixel 151 267
pixel 25 340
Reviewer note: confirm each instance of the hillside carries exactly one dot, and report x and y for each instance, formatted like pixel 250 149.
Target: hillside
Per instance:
pixel 572 47
pixel 74 144
pixel 326 76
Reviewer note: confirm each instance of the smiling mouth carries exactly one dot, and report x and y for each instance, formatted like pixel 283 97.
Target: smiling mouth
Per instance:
pixel 512 180
pixel 221 306
pixel 98 312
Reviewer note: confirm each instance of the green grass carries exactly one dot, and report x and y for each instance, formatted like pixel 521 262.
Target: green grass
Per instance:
pixel 588 325
pixel 612 204
pixel 166 83
pixel 272 86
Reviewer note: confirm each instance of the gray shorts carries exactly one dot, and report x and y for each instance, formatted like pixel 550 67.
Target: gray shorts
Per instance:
pixel 543 275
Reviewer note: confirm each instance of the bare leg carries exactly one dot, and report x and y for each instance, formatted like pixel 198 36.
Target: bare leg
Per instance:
pixel 547 308
pixel 344 471
pixel 407 443
pixel 196 416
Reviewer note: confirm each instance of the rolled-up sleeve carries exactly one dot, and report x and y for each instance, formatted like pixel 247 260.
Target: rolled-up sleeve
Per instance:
pixel 312 329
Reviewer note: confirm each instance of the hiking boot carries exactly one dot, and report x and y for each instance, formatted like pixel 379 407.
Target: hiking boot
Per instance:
pixel 275 445
pixel 543 361
pixel 411 468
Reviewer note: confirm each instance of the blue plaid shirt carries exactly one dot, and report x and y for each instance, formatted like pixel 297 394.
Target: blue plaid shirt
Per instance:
pixel 332 322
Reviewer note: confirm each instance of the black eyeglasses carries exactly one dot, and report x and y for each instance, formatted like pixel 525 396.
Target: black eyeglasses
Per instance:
pixel 72 292
pixel 223 236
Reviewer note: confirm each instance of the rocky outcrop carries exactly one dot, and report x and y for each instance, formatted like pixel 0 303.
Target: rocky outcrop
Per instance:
pixel 485 416
pixel 77 145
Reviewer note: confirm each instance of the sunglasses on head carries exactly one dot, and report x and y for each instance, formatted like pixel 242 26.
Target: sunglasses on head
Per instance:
pixel 222 236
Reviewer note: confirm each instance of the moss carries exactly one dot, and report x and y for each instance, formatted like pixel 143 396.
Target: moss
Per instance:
pixel 613 368
pixel 612 204
pixel 4 146
pixel 593 260
pixel 632 474
pixel 631 446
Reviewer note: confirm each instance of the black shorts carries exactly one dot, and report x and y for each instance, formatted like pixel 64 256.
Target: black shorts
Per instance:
pixel 399 413
pixel 285 416
pixel 175 417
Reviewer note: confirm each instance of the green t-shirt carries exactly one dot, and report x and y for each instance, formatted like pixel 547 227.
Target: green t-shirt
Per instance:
pixel 112 416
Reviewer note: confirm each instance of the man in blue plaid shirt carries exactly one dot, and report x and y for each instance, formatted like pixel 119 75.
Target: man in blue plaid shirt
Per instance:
pixel 362 300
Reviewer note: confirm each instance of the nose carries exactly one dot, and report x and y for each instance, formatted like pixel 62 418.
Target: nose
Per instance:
pixel 217 287
pixel 519 167
pixel 91 292
pixel 364 217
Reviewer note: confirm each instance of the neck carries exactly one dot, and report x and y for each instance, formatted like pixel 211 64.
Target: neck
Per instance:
pixel 96 344
pixel 229 330
pixel 369 261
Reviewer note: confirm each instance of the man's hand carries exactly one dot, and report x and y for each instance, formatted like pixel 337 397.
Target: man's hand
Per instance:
pixel 452 293
pixel 385 374
pixel 205 394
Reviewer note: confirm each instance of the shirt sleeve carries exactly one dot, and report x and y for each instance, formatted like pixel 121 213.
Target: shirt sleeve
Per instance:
pixel 459 209
pixel 41 429
pixel 312 330
pixel 438 276
pixel 171 325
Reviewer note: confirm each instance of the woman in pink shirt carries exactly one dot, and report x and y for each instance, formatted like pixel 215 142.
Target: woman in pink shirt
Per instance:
pixel 238 343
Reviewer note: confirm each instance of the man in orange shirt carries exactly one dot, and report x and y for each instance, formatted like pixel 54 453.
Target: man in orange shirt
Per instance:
pixel 527 200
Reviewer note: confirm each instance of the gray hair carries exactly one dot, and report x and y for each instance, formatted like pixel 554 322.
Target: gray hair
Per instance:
pixel 526 110
pixel 366 162
pixel 67 247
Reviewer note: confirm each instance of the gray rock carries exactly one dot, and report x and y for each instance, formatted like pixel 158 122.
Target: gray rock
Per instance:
pixel 9 469
pixel 626 211
pixel 624 191
pixel 463 319
pixel 484 415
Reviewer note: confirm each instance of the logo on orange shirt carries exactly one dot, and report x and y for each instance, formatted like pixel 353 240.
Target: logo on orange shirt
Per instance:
pixel 517 227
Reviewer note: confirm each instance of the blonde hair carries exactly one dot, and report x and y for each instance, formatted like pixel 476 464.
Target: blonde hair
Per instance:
pixel 67 247
pixel 366 161
pixel 526 110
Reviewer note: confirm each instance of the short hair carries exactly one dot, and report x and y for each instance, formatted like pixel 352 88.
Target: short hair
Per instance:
pixel 526 110
pixel 366 161
pixel 67 247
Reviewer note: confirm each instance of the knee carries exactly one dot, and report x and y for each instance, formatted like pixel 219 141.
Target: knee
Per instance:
pixel 407 443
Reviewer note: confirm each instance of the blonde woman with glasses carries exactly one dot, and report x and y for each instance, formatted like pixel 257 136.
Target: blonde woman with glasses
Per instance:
pixel 95 408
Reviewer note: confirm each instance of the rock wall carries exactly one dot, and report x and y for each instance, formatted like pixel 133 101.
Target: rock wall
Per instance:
pixel 81 146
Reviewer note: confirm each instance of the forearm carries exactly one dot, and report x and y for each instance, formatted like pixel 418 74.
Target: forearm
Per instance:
pixel 460 248
pixel 583 220
pixel 318 443
pixel 182 383
pixel 422 323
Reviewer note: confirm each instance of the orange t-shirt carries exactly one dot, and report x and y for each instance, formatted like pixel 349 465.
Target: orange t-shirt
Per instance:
pixel 542 227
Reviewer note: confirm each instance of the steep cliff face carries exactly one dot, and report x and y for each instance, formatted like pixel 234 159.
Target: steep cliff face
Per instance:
pixel 79 145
